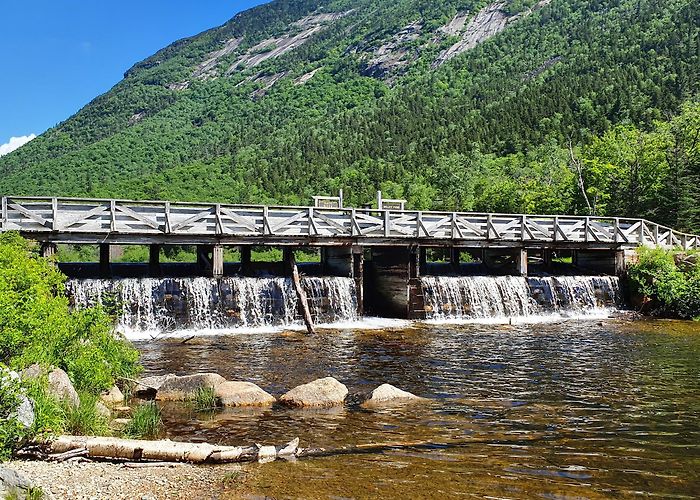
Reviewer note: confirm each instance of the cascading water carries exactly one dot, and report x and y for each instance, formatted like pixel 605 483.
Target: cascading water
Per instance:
pixel 161 305
pixel 480 297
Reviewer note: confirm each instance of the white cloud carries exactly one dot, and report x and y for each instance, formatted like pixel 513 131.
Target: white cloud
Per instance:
pixel 15 142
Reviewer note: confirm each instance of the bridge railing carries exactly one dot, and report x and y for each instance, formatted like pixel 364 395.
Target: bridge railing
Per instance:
pixel 148 218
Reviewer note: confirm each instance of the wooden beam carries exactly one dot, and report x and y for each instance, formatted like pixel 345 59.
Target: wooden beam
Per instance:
pixel 303 300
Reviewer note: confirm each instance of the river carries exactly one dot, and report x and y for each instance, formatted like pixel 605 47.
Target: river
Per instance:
pixel 566 409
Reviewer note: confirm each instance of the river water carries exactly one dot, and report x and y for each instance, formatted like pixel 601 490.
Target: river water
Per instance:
pixel 570 409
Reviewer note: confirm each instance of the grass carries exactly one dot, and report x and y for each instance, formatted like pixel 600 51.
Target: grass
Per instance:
pixel 85 420
pixel 146 422
pixel 204 399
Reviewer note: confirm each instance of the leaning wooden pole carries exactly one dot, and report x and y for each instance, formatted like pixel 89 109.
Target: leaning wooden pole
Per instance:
pixel 301 294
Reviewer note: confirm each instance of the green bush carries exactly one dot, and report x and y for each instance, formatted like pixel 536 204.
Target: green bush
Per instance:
pixel 669 290
pixel 38 326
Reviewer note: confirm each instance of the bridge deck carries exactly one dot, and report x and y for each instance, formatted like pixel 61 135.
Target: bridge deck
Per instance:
pixel 93 221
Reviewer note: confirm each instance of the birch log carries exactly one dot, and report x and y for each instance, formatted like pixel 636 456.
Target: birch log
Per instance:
pixel 170 451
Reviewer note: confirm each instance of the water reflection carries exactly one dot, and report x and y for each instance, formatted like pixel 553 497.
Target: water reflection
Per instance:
pixel 555 410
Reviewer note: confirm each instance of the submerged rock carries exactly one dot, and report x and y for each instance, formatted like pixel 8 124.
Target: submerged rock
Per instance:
pixel 242 394
pixel 387 394
pixel 323 392
pixel 184 388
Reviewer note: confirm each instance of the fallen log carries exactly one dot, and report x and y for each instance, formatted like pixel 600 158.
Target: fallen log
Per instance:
pixel 169 451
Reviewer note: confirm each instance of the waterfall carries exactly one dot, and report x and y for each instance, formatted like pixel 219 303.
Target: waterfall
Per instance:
pixel 475 297
pixel 161 305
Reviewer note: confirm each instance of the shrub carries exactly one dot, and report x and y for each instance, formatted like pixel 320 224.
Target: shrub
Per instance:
pixel 38 326
pixel 671 292
pixel 146 422
pixel 11 431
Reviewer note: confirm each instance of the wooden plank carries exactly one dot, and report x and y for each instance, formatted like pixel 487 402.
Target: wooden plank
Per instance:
pixel 190 220
pixel 135 215
pixel 29 214
pixel 3 214
pixel 240 220
pixel 83 218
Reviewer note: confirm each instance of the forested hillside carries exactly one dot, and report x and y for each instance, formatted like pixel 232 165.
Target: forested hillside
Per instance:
pixel 585 106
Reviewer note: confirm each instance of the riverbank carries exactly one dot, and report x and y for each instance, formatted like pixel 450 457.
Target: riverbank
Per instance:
pixel 86 480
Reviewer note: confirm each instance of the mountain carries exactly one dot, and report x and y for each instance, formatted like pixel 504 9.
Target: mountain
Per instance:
pixel 521 105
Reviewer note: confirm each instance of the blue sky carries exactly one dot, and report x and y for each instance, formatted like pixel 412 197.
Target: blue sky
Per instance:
pixel 58 55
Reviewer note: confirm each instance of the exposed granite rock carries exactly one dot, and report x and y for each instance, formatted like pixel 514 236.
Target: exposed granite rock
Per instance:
pixel 242 394
pixel 62 388
pixel 113 397
pixel 323 392
pixel 388 394
pixel 183 388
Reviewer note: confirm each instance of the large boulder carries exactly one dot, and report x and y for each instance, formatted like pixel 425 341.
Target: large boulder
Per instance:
pixel 388 394
pixel 12 485
pixel 324 392
pixel 242 394
pixel 147 387
pixel 184 388
pixel 62 388
pixel 25 412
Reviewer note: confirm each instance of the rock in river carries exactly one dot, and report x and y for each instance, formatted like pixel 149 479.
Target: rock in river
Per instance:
pixel 242 394
pixel 323 392
pixel 387 394
pixel 183 388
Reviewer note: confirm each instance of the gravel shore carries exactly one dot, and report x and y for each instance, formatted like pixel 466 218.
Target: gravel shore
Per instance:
pixel 82 480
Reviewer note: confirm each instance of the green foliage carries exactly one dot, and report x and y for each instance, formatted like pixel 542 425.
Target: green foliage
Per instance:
pixel 146 422
pixel 49 413
pixel 85 420
pixel 38 326
pixel 672 291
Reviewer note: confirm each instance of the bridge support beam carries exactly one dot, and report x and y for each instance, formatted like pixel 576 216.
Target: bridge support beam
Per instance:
pixel 210 260
pixel 48 250
pixel 245 251
pixel 603 261
pixel 105 266
pixel 154 260
pixel 358 273
pixel 506 261
pixel 393 283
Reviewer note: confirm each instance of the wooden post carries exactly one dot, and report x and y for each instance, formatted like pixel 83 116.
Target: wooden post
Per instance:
pixel 358 273
pixel 105 268
pixel 48 251
pixel 417 264
pixel 204 260
pixel 245 260
pixel 455 254
pixel 154 260
pixel 217 263
pixel 620 264
pixel 301 293
pixel 521 262
pixel 547 258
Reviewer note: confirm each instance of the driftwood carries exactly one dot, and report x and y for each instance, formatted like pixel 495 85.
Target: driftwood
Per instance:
pixel 301 294
pixel 169 451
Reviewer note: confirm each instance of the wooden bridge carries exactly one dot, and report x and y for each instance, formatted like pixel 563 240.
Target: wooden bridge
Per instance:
pixel 105 221
pixel 390 243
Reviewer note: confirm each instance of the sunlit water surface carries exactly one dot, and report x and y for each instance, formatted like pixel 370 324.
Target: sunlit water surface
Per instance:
pixel 581 409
